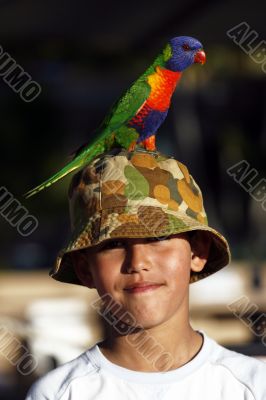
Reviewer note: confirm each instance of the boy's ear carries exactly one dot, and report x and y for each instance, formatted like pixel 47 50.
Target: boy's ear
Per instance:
pixel 200 247
pixel 82 268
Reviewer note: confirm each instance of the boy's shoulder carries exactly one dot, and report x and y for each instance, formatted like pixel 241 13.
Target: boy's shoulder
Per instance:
pixel 248 371
pixel 53 384
pixel 222 355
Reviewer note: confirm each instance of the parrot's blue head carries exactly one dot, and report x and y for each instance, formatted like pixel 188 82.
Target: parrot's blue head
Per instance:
pixel 185 51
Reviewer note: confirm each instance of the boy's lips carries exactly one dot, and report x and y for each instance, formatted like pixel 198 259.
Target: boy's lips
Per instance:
pixel 142 286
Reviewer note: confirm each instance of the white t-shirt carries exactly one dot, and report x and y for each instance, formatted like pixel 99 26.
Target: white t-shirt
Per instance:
pixel 215 373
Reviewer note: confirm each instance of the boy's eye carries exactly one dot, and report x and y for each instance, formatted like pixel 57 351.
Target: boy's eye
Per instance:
pixel 157 239
pixel 112 244
pixel 120 243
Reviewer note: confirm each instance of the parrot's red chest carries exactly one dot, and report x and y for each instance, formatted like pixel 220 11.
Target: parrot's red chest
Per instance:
pixel 162 83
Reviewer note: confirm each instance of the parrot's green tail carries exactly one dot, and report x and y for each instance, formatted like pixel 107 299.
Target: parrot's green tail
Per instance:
pixel 83 158
pixel 56 177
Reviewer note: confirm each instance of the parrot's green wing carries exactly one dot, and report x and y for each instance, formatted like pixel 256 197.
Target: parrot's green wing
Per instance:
pixel 123 111
pixel 129 104
pixel 125 108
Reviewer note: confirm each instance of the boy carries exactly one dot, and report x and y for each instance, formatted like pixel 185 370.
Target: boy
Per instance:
pixel 140 236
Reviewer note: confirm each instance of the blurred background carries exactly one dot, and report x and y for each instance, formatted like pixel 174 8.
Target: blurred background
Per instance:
pixel 84 55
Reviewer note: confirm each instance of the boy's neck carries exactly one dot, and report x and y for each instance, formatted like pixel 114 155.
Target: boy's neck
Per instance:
pixel 151 350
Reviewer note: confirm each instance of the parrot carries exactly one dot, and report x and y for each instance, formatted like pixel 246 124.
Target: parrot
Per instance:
pixel 136 116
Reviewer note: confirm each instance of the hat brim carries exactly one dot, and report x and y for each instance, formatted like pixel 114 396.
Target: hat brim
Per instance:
pixel 138 222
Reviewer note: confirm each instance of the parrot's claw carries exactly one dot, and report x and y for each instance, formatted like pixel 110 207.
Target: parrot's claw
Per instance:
pixel 132 146
pixel 149 143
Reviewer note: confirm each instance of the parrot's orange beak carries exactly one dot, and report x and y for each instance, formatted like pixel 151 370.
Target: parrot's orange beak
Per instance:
pixel 200 57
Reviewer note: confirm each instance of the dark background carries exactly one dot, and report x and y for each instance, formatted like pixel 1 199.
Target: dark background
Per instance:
pixel 84 55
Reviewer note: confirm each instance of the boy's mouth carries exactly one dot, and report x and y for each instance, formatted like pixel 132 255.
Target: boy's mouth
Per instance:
pixel 142 286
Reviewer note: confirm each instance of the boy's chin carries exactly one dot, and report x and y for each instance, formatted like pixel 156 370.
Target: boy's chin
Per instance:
pixel 142 323
pixel 127 327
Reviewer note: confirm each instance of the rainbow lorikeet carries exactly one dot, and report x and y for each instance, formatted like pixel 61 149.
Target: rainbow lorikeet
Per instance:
pixel 135 118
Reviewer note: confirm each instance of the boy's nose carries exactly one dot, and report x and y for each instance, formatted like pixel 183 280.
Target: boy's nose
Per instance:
pixel 137 258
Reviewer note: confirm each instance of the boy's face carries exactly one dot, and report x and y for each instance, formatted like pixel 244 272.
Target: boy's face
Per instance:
pixel 116 265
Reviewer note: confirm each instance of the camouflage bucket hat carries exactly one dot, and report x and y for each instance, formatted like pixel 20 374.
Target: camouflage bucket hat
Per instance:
pixel 137 194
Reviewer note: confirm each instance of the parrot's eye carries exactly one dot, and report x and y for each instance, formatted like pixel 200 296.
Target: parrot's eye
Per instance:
pixel 186 47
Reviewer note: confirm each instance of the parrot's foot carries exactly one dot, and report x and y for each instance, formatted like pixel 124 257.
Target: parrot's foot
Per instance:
pixel 149 143
pixel 132 146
